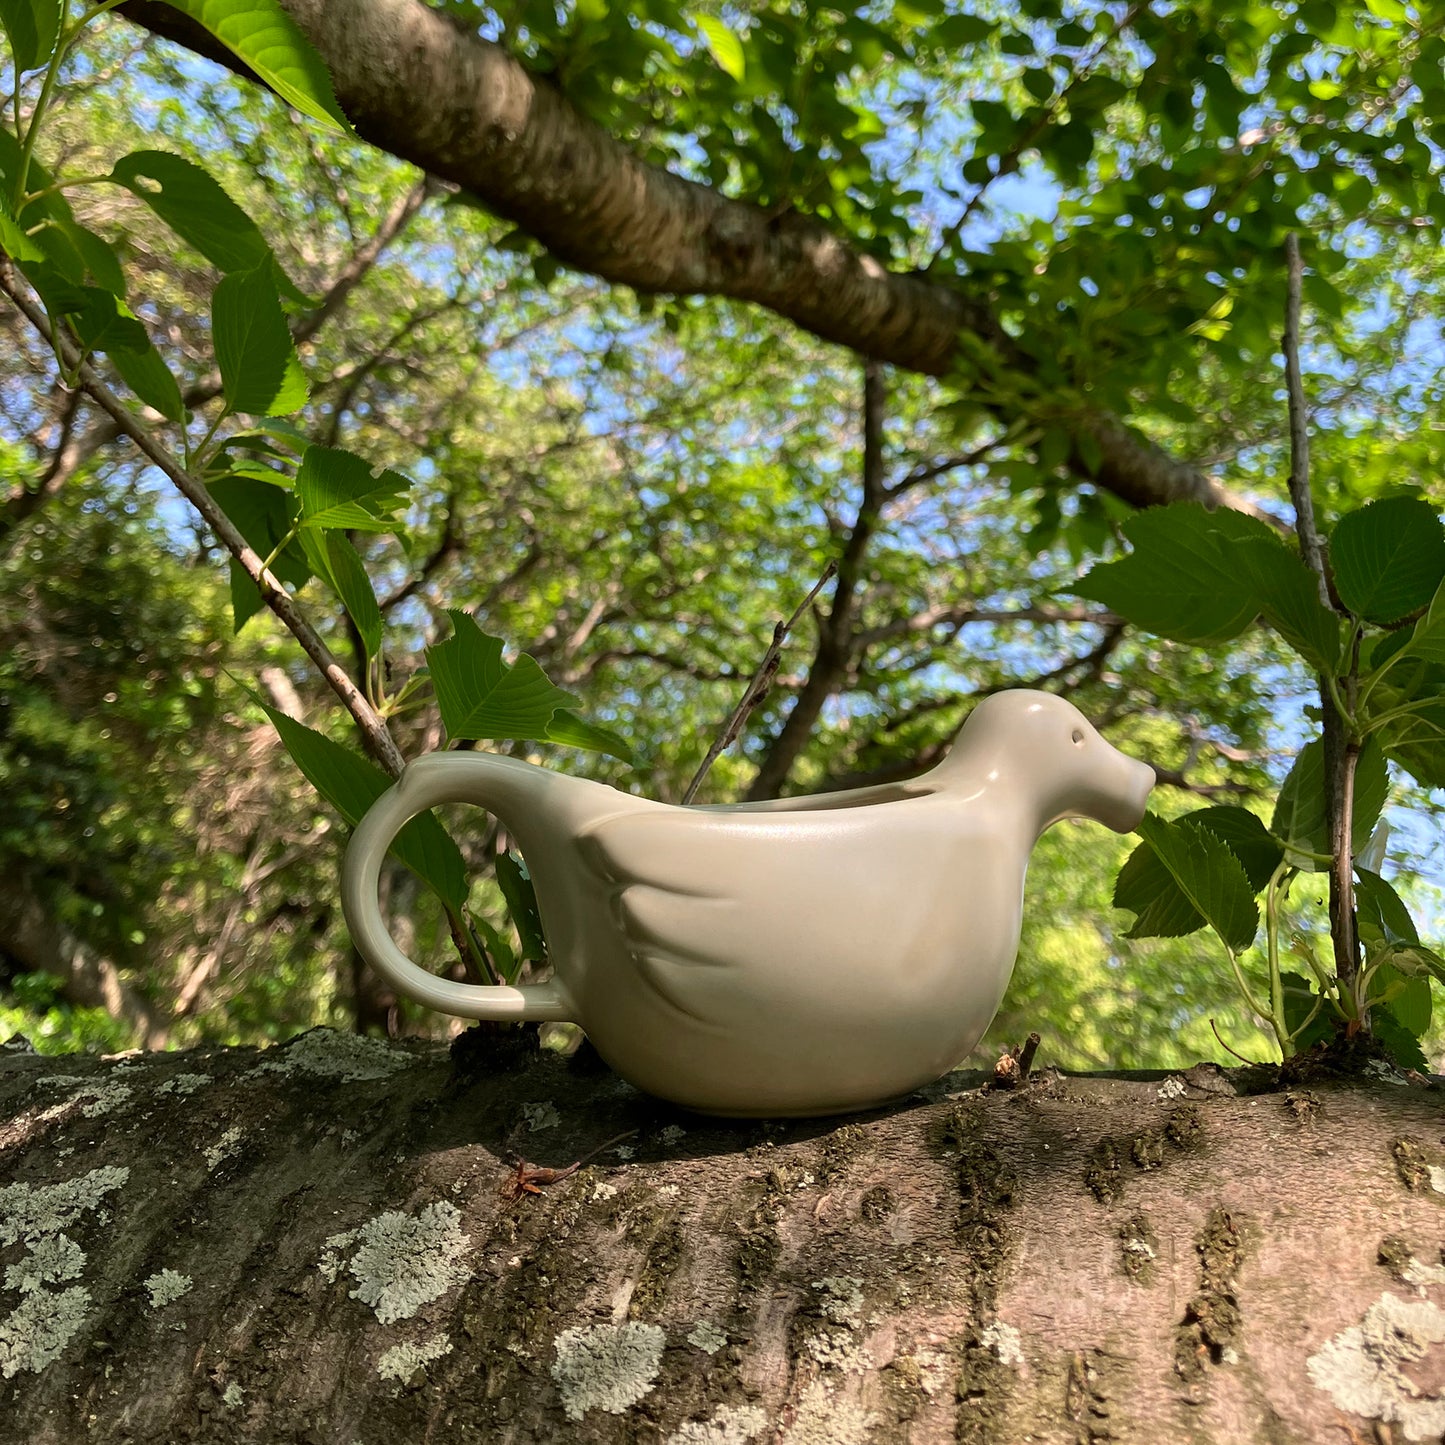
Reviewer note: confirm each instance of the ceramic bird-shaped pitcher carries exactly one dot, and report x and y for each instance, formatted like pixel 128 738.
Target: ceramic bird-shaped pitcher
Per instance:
pixel 802 956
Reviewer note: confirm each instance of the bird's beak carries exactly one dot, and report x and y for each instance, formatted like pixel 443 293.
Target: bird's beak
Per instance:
pixel 1124 796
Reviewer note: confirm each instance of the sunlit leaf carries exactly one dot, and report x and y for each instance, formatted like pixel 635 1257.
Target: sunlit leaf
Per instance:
pixel 480 696
pixel 723 43
pixel 262 34
pixel 338 489
pixel 260 371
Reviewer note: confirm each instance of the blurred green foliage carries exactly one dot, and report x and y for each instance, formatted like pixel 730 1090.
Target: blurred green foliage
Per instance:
pixel 634 489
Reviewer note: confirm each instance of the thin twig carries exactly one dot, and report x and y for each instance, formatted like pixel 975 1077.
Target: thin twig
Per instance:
pixel 1026 1056
pixel 757 689
pixel 1311 548
pixel 1340 749
pixel 377 740
pixel 525 1179
pixel 1252 1064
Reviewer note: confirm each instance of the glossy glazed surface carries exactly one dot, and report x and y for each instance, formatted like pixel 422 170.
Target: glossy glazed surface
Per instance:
pixel 803 956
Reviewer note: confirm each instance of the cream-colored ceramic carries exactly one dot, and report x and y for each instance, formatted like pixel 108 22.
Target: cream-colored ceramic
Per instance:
pixel 803 956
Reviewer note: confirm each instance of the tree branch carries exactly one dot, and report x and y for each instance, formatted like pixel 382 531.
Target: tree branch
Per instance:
pixel 374 734
pixel 74 452
pixel 515 142
pixel 1341 751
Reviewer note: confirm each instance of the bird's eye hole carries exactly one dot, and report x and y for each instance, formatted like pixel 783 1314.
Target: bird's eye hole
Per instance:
pixel 1078 737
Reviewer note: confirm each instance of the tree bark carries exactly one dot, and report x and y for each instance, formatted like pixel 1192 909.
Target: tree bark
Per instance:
pixel 420 87
pixel 1085 1259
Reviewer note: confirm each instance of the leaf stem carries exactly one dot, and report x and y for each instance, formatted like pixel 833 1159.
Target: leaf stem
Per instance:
pixel 1276 979
pixel 280 547
pixel 56 187
pixel 1244 988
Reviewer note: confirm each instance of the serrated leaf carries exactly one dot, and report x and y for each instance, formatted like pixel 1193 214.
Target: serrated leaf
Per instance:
pixel 196 207
pixel 723 44
pixel 1209 876
pixel 574 732
pixel 352 783
pixel 32 27
pixel 1179 581
pixel 1147 888
pixel 1402 1045
pixel 521 899
pixel 1289 600
pixel 1246 837
pixel 13 240
pixel 260 371
pixel 268 40
pixel 338 489
pixel 480 696
pixel 1300 821
pixel 1388 558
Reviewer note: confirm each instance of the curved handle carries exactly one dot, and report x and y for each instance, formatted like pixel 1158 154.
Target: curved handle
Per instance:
pixel 439 778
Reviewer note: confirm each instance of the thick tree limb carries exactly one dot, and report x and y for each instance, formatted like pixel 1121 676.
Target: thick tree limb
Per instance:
pixel 416 85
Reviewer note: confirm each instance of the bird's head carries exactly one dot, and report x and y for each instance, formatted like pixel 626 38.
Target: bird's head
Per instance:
pixel 1044 744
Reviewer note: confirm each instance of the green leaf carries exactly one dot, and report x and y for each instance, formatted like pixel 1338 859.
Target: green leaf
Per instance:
pixel 348 575
pixel 507 964
pixel 338 489
pixel 1300 821
pixel 1146 887
pixel 1402 1045
pixel 1388 558
pixel 1208 876
pixel 146 373
pixel 573 732
pixel 101 262
pixel 13 240
pixel 1246 837
pixel 1181 580
pixel 480 696
pixel 1428 638
pixel 725 46
pixel 1405 994
pixel 1289 600
pixel 260 372
pixel 1384 920
pixel 263 515
pixel 196 207
pixel 267 39
pixel 352 783
pixel 33 27
pixel 521 899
